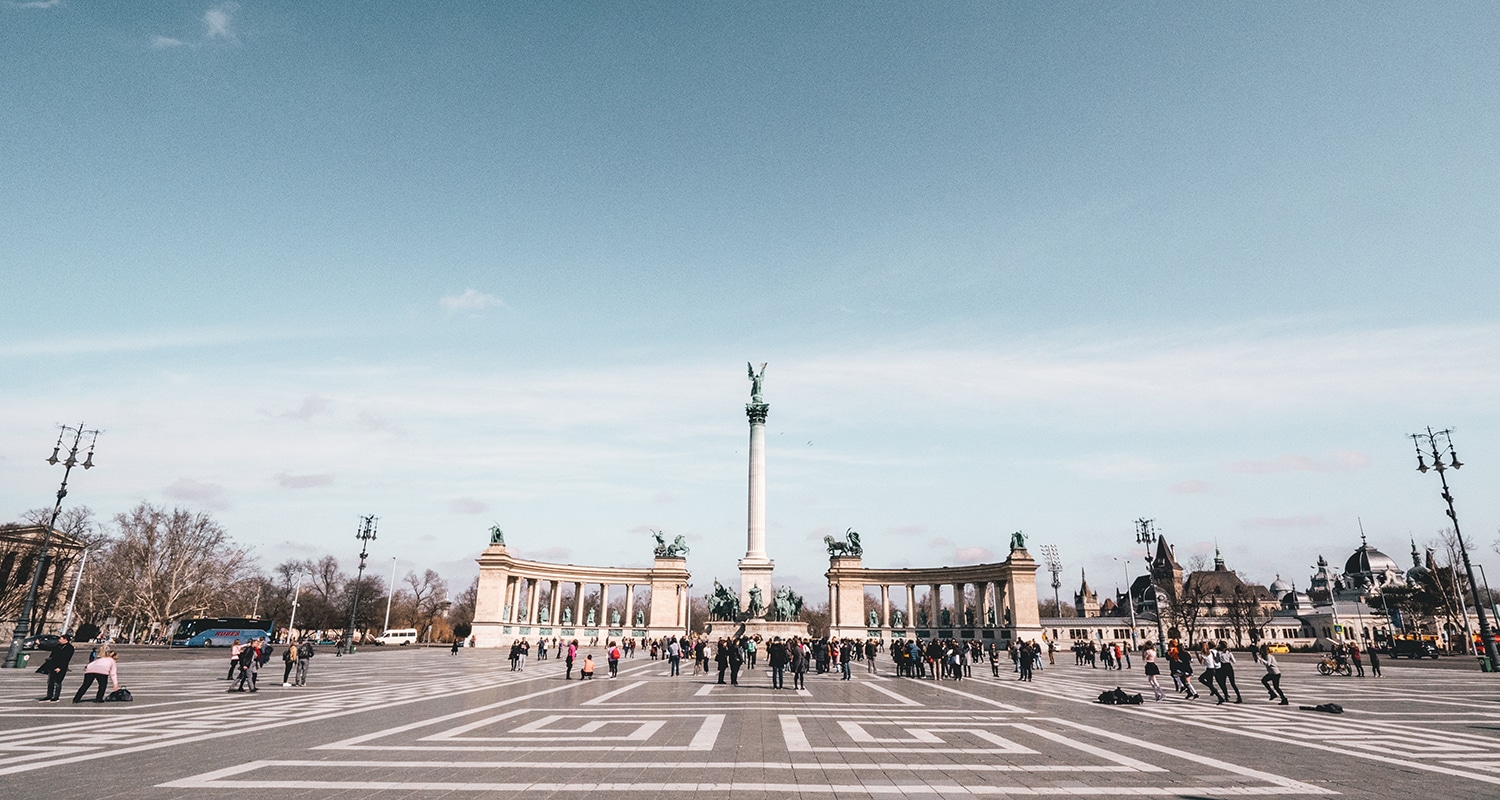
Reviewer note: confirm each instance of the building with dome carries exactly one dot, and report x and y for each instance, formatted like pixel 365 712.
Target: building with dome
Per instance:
pixel 1211 604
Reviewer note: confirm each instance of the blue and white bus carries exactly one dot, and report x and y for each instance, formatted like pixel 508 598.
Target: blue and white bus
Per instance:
pixel 220 632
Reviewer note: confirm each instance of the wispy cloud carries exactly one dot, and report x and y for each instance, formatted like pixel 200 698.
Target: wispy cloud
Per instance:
pixel 949 553
pixel 472 301
pixel 217 21
pixel 120 342
pixel 36 4
pixel 1345 460
pixel 210 495
pixel 286 481
pixel 468 505
pixel 160 42
pixel 1312 521
pixel 312 406
pixel 1189 487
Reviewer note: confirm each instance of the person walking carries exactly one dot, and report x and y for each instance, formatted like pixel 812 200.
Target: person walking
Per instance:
pixel 247 664
pixel 572 653
pixel 1225 673
pixel 1272 679
pixel 614 660
pixel 776 657
pixel 289 658
pixel 1354 657
pixel 750 649
pixel 872 648
pixel 674 657
pixel 1183 666
pixel 846 657
pixel 736 660
pixel 1208 660
pixel 1374 662
pixel 56 668
pixel 305 653
pixel 1148 654
pixel 721 659
pixel 102 670
pixel 234 659
pixel 798 659
pixel 1024 659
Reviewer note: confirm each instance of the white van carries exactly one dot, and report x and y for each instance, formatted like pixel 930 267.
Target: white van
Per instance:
pixel 401 636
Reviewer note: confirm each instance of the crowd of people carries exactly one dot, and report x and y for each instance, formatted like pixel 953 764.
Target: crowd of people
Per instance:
pixel 1206 665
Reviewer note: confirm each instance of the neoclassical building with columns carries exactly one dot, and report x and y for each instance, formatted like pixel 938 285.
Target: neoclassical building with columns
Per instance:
pixel 989 602
pixel 527 599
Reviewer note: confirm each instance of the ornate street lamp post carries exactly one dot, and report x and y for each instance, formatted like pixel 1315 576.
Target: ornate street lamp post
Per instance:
pixel 23 625
pixel 1145 533
pixel 1439 446
pixel 365 535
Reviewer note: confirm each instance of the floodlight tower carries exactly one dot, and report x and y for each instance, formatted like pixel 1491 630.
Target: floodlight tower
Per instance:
pixel 1054 566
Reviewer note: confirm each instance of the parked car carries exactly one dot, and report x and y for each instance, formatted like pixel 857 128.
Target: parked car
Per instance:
pixel 1412 648
pixel 45 641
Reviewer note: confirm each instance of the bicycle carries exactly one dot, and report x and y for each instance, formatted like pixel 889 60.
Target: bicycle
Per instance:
pixel 1332 666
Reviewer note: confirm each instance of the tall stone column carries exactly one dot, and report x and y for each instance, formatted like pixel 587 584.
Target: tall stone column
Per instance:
pixel 756 566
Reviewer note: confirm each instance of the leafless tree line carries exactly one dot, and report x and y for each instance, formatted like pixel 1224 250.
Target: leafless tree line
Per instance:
pixel 151 566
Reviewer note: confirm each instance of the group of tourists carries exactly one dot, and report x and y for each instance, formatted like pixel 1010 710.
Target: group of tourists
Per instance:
pixel 246 659
pixel 1092 654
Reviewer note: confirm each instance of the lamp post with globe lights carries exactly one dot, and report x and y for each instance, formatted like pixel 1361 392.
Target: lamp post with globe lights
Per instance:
pixel 365 534
pixel 1145 534
pixel 13 657
pixel 1438 445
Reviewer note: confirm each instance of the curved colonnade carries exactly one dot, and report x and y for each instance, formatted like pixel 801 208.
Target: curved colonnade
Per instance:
pixel 989 601
pixel 521 599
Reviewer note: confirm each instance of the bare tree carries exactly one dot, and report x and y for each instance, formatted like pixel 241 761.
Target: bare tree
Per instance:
pixel 428 592
pixel 168 564
pixel 461 615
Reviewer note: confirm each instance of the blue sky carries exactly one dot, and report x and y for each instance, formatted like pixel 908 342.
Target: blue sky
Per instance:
pixel 1016 266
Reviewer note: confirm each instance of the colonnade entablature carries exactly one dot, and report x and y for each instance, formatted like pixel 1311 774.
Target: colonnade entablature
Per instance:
pixel 522 599
pixel 989 602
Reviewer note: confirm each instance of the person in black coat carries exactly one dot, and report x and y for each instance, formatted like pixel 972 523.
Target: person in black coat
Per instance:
pixel 56 668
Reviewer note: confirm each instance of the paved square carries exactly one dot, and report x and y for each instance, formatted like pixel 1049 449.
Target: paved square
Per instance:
pixel 423 723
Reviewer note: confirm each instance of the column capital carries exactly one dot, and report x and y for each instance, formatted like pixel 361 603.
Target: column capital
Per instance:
pixel 757 412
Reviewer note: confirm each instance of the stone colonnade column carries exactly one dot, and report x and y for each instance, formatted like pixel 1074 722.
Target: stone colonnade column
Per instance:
pixel 911 605
pixel 756 566
pixel 629 605
pixel 885 606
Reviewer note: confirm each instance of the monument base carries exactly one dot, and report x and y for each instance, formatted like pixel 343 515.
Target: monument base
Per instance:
pixel 763 628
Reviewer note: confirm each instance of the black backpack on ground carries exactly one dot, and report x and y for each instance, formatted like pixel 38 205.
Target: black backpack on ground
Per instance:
pixel 1118 697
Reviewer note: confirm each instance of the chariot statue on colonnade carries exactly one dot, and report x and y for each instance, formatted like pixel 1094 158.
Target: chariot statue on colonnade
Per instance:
pixel 850 545
pixel 677 549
